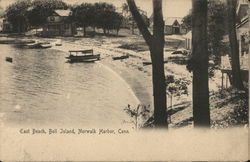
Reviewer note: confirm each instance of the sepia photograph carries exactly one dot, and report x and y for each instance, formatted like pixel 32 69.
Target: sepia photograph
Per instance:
pixel 124 80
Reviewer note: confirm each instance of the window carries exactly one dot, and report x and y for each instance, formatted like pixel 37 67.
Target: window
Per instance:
pixel 52 18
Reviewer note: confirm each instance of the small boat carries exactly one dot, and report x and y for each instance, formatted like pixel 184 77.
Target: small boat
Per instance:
pixel 58 42
pixel 150 63
pixel 121 57
pixel 8 59
pixel 33 45
pixel 38 44
pixel 146 63
pixel 84 56
pixel 46 45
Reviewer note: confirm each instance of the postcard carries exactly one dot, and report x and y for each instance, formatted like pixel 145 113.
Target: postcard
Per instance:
pixel 124 80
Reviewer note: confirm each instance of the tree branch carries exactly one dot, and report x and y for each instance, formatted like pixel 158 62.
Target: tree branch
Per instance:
pixel 140 22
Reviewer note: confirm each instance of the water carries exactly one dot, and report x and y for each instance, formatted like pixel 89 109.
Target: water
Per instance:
pixel 39 88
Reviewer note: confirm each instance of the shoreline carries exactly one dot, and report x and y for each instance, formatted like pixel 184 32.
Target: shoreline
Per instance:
pixel 121 68
pixel 138 78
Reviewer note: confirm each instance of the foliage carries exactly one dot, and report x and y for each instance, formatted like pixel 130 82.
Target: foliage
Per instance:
pixel 217 28
pixel 41 9
pixel 1 11
pixel 101 15
pixel 17 14
pixel 176 87
pixel 141 112
pixel 125 8
pixel 35 13
pixel 187 21
pixel 84 14
pixel 233 107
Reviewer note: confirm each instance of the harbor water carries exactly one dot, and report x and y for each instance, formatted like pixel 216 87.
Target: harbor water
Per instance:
pixel 40 89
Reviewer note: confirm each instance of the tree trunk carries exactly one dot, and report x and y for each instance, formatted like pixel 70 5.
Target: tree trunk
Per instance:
pixel 159 86
pixel 133 27
pixel 117 32
pixel 19 27
pixel 201 111
pixel 156 45
pixel 84 31
pixel 234 47
pixel 171 104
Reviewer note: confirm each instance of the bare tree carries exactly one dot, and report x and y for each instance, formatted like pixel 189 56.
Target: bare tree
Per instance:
pixel 155 42
pixel 201 111
pixel 234 47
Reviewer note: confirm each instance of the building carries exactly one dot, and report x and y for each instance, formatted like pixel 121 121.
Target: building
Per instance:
pixel 59 24
pixel 188 40
pixel 7 27
pixel 242 31
pixel 174 25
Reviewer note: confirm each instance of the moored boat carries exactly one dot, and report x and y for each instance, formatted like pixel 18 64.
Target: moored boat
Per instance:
pixel 8 59
pixel 121 57
pixel 33 45
pixel 84 56
pixel 48 45
pixel 38 44
pixel 58 42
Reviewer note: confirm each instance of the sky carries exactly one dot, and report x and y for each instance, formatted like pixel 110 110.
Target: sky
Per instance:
pixel 171 8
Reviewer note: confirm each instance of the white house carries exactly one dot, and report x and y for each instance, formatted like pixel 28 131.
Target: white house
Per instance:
pixel 188 40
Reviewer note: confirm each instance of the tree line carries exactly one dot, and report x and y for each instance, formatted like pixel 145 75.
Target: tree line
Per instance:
pixel 27 13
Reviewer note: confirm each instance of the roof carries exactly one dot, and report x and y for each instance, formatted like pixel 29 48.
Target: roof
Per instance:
pixel 63 12
pixel 171 20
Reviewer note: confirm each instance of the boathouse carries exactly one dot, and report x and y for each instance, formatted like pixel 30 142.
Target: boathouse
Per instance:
pixel 174 26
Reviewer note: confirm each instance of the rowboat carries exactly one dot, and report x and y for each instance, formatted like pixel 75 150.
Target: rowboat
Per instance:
pixel 83 56
pixel 38 44
pixel 58 42
pixel 8 59
pixel 33 45
pixel 47 45
pixel 145 63
pixel 121 57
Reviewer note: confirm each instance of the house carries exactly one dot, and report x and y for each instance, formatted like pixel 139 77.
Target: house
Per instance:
pixel 188 40
pixel 242 31
pixel 174 25
pixel 59 24
pixel 7 27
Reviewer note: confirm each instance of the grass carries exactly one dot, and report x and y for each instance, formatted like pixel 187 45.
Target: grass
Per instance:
pixel 229 108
